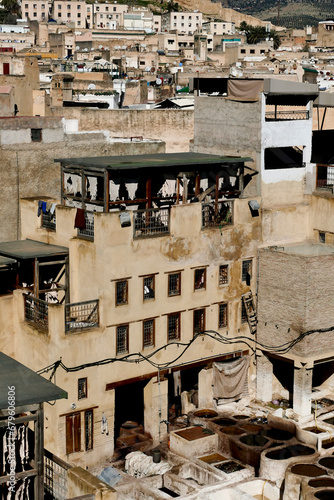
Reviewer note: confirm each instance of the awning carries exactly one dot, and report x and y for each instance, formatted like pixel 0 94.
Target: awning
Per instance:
pixel 30 249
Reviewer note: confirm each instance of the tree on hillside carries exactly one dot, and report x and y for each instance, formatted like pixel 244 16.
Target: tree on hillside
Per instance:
pixel 257 34
pixel 10 7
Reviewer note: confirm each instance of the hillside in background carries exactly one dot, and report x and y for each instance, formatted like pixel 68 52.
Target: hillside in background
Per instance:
pixel 292 14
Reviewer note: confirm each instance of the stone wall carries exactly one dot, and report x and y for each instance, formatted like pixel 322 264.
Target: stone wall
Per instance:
pixel 296 295
pixel 28 168
pixel 173 126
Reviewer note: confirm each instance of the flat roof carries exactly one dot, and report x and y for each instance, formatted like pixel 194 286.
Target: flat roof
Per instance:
pixel 30 388
pixel 29 249
pixel 6 261
pixel 307 249
pixel 128 162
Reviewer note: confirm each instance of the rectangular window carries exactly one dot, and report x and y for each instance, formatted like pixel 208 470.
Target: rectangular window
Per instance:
pixel 199 321
pixel 78 7
pixel 223 319
pixel 174 284
pixel 79 14
pixel 322 237
pixel 82 388
pixel 252 51
pixel 174 326
pixel 36 135
pixel 243 51
pixel 59 6
pixel 5 68
pixel 122 339
pixel 200 278
pixel 148 333
pixel 244 318
pixel 88 430
pixel 69 14
pixel 223 274
pixel 148 283
pixel 247 271
pixel 35 14
pixel 73 433
pixel 121 292
pixel 68 7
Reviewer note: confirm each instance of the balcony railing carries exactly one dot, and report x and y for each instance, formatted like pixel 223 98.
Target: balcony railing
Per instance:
pixel 275 116
pixel 217 214
pixel 49 221
pixel 81 315
pixel 36 311
pixel 151 222
pixel 55 477
pixel 88 232
pixel 325 178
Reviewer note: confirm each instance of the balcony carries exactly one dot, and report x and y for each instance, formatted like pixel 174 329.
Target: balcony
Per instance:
pixel 218 214
pixel 81 315
pixel 88 231
pixel 276 115
pixel 36 311
pixel 55 477
pixel 325 178
pixel 151 222
pixel 49 221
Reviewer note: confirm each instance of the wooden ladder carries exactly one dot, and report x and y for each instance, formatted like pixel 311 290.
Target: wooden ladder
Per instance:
pixel 249 304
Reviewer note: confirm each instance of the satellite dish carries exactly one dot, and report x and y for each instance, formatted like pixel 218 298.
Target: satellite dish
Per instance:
pixel 124 47
pixel 91 86
pixel 158 81
pixel 100 47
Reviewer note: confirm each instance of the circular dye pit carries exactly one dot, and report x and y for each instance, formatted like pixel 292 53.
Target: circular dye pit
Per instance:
pixel 206 414
pixel 294 450
pixel 240 417
pixel 278 434
pixel 314 430
pixel 254 440
pixel 224 422
pixel 231 431
pixel 322 483
pixel 308 470
pixel 325 494
pixel 327 462
pixel 251 428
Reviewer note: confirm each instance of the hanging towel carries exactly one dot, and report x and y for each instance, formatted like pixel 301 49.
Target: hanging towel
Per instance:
pixel 44 207
pixel 80 221
pixel 53 208
pixel 39 211
pixel 104 425
pixel 230 378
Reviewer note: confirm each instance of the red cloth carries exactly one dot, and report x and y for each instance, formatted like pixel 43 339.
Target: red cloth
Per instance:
pixel 80 220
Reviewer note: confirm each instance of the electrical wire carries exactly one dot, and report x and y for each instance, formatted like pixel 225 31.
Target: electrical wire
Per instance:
pixel 138 357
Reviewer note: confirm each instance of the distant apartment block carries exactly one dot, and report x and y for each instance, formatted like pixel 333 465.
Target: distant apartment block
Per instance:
pixel 36 10
pixel 184 22
pixel 109 16
pixel 72 12
pixel 218 28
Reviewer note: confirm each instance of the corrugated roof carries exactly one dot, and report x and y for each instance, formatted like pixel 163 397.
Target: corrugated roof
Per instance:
pixel 128 162
pixel 29 249
pixel 30 388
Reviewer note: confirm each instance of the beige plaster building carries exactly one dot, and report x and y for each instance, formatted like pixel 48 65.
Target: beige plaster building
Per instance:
pixel 184 22
pixel 109 16
pixel 75 11
pixel 36 10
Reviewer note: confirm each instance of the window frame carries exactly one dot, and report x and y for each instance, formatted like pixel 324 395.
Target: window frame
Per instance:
pixel 126 301
pixel 151 333
pixel 201 323
pixel 82 391
pixel 89 432
pixel 118 352
pixel 220 278
pixel 243 314
pixel 222 325
pixel 36 134
pixel 171 293
pixel 151 277
pixel 249 270
pixel 203 286
pixel 178 329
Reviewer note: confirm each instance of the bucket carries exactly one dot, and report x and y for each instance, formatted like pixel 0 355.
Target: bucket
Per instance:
pixel 156 456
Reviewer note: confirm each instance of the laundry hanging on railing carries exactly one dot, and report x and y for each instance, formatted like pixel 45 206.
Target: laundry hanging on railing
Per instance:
pixel 80 220
pixel 230 378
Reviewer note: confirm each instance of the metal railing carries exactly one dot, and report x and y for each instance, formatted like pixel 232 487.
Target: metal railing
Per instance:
pixel 325 177
pixel 36 311
pixel 88 232
pixel 287 115
pixel 81 315
pixel 49 221
pixel 55 477
pixel 217 214
pixel 151 222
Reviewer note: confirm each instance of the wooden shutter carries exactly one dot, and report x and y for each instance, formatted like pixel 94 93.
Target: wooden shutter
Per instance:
pixel 73 433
